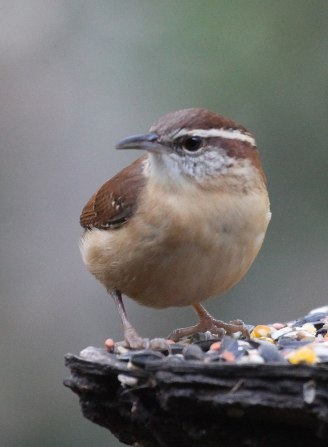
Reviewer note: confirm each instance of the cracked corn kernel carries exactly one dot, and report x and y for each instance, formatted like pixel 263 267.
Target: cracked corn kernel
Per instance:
pixel 110 345
pixel 215 346
pixel 260 331
pixel 228 356
pixel 303 355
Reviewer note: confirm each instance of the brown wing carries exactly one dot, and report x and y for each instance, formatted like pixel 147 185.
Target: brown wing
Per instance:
pixel 115 202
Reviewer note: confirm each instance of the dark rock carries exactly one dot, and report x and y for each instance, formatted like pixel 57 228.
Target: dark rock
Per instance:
pixel 193 352
pixel 270 353
pixel 145 358
pixel 316 319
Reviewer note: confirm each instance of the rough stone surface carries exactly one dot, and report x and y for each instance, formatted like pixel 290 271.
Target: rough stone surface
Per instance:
pixel 167 401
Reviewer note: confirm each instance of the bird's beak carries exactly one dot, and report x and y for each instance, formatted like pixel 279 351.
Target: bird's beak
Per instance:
pixel 148 142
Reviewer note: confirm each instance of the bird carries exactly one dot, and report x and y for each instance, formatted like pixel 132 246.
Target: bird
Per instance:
pixel 183 222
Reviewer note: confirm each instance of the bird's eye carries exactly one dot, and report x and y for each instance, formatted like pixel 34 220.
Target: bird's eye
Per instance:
pixel 192 144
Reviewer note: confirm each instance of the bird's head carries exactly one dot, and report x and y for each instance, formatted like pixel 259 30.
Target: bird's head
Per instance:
pixel 198 146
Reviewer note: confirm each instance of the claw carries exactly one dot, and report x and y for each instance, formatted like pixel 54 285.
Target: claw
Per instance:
pixel 208 323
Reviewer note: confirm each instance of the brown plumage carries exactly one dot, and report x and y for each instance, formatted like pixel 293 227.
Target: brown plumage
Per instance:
pixel 115 202
pixel 182 223
pixel 194 119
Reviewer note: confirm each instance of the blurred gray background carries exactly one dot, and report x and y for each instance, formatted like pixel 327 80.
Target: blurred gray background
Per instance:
pixel 77 76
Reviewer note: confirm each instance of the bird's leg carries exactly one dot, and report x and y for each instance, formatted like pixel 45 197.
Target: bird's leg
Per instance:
pixel 131 336
pixel 209 323
pixel 230 328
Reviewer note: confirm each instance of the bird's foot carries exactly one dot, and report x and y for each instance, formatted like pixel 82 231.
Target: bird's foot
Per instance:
pixel 134 342
pixel 216 327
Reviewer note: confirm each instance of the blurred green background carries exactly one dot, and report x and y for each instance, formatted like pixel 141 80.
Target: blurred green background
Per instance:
pixel 76 76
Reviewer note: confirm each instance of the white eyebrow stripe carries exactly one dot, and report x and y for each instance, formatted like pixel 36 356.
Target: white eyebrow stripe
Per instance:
pixel 233 134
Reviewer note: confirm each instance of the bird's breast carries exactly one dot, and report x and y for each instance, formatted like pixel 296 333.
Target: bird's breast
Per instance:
pixel 180 249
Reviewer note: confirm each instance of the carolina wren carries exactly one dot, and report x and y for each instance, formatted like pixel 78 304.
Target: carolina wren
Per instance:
pixel 182 223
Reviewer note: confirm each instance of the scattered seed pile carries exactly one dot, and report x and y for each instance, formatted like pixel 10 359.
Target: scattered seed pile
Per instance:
pixel 302 341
